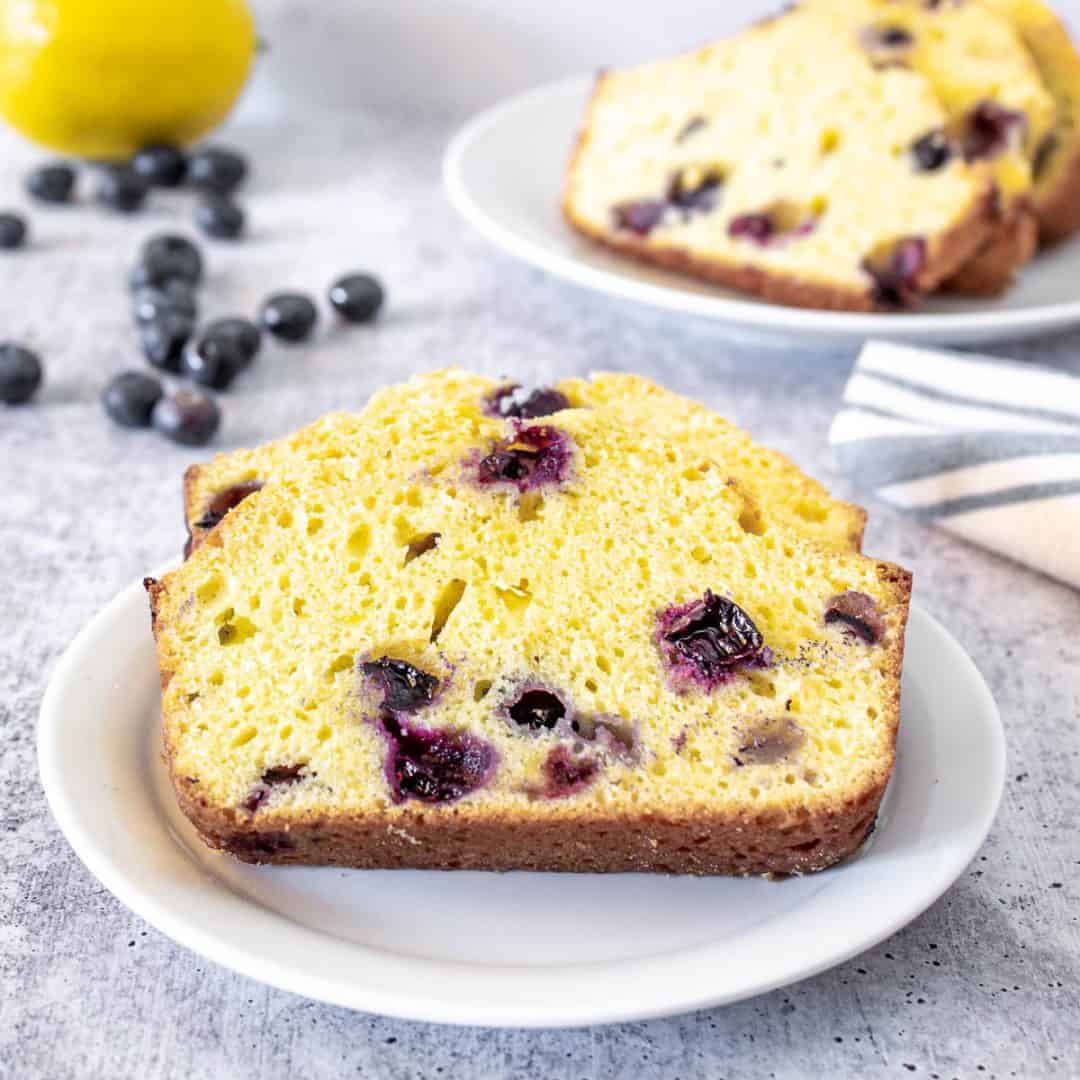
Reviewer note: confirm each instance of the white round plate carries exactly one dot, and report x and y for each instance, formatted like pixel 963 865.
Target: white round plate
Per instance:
pixel 531 950
pixel 504 172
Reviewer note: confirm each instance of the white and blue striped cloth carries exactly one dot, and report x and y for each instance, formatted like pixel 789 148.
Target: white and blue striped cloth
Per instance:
pixel 988 449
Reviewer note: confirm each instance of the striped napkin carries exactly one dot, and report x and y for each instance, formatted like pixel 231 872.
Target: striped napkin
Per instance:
pixel 988 449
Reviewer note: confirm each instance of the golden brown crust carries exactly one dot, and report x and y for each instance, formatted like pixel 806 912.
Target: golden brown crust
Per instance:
pixel 990 271
pixel 1059 210
pixel 706 843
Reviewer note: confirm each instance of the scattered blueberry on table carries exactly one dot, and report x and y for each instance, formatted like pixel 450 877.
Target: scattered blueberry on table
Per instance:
pixel 163 338
pixel 356 297
pixel 246 335
pixel 129 398
pixel 53 182
pixel 217 169
pixel 12 231
pixel 289 316
pixel 160 165
pixel 165 256
pixel 219 217
pixel 188 417
pixel 20 374
pixel 214 360
pixel 152 302
pixel 121 189
pixel 163 284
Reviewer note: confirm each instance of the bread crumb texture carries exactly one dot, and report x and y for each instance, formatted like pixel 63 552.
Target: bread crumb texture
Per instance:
pixel 406 633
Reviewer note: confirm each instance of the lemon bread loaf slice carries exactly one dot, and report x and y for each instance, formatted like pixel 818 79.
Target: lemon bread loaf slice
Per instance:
pixel 783 162
pixel 503 644
pixel 998 110
pixel 1057 157
pixel 784 493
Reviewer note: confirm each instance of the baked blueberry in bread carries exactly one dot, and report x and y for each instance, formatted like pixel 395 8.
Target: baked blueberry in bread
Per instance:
pixel 556 642
pixel 798 161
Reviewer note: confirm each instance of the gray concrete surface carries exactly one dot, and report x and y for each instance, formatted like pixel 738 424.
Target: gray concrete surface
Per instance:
pixel 985 984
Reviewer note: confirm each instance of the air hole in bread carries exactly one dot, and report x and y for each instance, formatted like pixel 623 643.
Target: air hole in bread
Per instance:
pixel 359 540
pixel 444 606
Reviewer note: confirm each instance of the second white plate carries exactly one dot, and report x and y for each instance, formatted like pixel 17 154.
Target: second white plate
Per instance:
pixel 504 173
pixel 535 950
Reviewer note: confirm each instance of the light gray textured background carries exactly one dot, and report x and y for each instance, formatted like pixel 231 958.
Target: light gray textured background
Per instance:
pixel 985 984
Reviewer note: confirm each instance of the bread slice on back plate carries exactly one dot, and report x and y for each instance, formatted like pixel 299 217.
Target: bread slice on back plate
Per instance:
pixel 552 644
pixel 1057 158
pixel 784 163
pixel 784 493
pixel 998 109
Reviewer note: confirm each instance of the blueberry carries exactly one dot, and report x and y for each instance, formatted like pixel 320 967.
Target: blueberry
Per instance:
pixel 895 274
pixel 770 741
pixel 52 183
pixel 129 398
pixel 216 169
pixel 224 501
pixel 700 192
pixel 756 227
pixel 859 615
pixel 167 256
pixel 639 217
pixel 537 709
pixel 175 296
pixel 213 360
pixel 565 774
pixel 706 639
pixel 932 151
pixel 435 766
pixel 188 417
pixel 12 231
pixel 160 165
pixel 356 297
pixel 164 337
pixel 275 776
pixel 514 402
pixel 220 218
pixel 892 37
pixel 241 331
pixel 990 129
pixel 404 688
pixel 20 374
pixel 120 189
pixel 534 456
pixel 289 316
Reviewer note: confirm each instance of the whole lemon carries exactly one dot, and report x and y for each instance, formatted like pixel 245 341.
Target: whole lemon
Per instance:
pixel 101 78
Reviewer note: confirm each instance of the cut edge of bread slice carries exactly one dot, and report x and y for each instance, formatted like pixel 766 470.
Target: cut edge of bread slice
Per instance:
pixel 1056 194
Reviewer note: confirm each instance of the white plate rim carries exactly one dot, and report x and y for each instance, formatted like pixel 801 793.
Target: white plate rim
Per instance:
pixel 414 1005
pixel 983 324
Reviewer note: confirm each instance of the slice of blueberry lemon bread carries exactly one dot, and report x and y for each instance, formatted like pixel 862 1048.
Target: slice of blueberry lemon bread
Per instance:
pixel 785 162
pixel 558 644
pixel 784 493
pixel 998 109
pixel 1056 163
